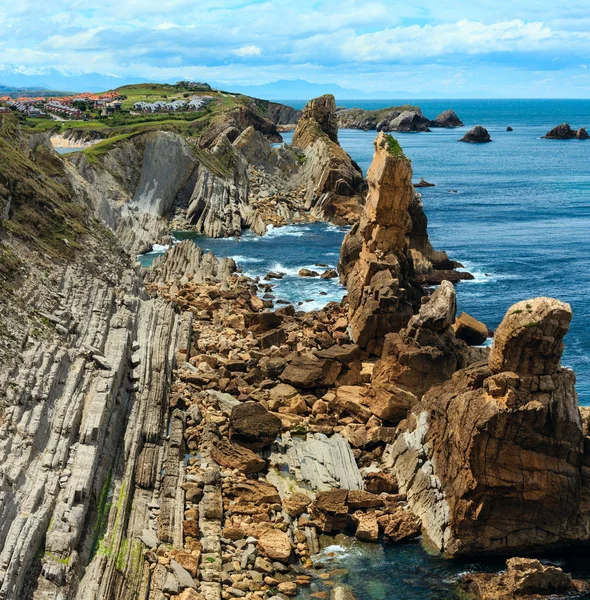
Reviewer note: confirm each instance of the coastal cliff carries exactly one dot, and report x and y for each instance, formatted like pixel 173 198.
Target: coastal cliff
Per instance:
pixel 169 433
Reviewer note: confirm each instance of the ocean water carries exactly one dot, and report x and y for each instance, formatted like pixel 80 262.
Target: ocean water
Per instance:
pixel 286 250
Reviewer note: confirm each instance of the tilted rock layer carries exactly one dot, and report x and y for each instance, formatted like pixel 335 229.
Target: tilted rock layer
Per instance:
pixel 334 182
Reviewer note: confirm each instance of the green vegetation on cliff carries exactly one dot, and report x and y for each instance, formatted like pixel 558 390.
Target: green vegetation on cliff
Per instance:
pixel 36 196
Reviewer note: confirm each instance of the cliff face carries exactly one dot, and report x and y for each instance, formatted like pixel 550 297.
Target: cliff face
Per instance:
pixel 334 183
pixel 493 460
pixel 85 368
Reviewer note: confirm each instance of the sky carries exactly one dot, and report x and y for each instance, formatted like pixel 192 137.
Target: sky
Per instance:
pixel 499 48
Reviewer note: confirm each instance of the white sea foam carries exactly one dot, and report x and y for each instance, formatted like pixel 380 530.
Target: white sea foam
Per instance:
pixel 287 230
pixel 159 248
pixel 240 259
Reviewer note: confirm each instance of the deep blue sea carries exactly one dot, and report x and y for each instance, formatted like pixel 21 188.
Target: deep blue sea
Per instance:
pixel 515 212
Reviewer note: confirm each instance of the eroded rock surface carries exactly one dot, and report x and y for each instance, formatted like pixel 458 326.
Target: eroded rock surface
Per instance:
pixel 493 459
pixel 334 183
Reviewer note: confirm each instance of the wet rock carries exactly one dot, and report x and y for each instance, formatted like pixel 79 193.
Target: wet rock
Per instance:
pixel 307 273
pixel 524 578
pixel 423 183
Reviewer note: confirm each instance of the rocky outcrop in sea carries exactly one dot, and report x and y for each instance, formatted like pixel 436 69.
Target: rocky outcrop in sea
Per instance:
pixel 335 185
pixel 477 135
pixel 565 132
pixel 402 118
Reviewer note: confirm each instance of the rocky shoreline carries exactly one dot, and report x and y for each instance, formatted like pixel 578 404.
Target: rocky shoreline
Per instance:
pixel 168 433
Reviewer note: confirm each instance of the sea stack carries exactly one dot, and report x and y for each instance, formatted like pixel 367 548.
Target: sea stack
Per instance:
pixel 374 261
pixel 477 135
pixel 335 186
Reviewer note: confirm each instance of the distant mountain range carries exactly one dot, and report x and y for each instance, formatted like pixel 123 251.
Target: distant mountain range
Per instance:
pixel 297 89
pixel 54 79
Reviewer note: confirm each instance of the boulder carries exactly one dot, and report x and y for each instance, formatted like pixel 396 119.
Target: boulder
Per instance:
pixel 529 341
pixel 423 183
pixel 251 425
pixel 296 504
pixel 233 456
pixel 275 544
pixel 524 579
pixel 477 135
pixel 329 510
pixel 470 330
pixel 400 526
pixel 307 273
pixel 360 499
pixel 367 529
pixel 378 482
pixel 308 371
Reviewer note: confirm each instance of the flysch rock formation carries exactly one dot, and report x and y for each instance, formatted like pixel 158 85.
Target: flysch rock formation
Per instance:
pixel 334 183
pixel 382 256
pixel 79 410
pixel 402 118
pixel 493 460
pixel 165 433
pixel 227 179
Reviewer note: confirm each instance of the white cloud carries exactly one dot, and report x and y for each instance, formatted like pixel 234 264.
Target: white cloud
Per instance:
pixel 247 51
pixel 169 25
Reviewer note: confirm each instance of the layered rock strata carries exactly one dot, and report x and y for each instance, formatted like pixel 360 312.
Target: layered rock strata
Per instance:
pixel 334 183
pixel 493 459
pixel 386 255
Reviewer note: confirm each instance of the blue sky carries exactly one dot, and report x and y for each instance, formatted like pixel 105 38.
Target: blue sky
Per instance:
pixel 500 48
